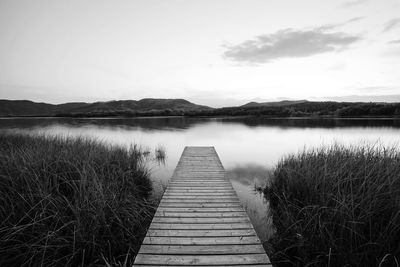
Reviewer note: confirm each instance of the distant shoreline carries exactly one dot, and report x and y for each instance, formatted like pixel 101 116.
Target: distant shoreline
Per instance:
pixel 182 107
pixel 220 116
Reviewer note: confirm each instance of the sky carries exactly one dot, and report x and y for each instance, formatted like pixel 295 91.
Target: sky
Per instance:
pixel 211 52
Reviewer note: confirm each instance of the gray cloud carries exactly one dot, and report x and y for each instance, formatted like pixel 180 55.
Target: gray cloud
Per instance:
pixel 365 98
pixel 391 24
pixel 354 3
pixel 289 43
pixel 355 19
pixel 371 89
pixel 394 42
pixel 337 25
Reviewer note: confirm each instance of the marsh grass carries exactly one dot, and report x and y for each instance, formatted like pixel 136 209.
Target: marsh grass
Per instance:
pixel 160 154
pixel 337 206
pixel 71 202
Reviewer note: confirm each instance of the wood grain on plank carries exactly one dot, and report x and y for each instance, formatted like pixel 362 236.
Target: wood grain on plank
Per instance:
pixel 201 226
pixel 198 205
pixel 201 233
pixel 226 240
pixel 198 210
pixel 199 215
pixel 194 260
pixel 203 249
pixel 215 220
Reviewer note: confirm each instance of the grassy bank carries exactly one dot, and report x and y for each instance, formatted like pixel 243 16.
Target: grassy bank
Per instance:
pixel 70 202
pixel 337 206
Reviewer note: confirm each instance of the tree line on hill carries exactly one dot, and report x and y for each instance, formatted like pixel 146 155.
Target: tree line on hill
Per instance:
pixel 306 109
pixel 310 109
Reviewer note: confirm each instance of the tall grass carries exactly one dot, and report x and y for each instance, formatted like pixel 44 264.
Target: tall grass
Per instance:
pixel 70 202
pixel 337 206
pixel 160 154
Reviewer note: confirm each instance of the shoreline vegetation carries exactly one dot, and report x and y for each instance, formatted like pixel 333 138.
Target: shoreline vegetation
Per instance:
pixel 336 206
pixel 71 202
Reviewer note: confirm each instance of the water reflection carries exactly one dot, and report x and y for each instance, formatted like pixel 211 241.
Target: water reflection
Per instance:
pixel 184 123
pixel 315 122
pixel 248 147
pixel 246 179
pixel 249 175
pixel 144 124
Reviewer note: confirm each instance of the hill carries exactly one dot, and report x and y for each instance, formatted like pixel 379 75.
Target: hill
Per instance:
pixel 182 107
pixel 273 104
pixel 147 106
pixel 311 109
pixel 23 107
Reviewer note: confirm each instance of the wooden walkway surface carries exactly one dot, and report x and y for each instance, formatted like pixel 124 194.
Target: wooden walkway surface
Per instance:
pixel 200 221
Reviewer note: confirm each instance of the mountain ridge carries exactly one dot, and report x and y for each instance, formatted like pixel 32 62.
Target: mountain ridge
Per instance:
pixel 12 108
pixel 274 103
pixel 182 107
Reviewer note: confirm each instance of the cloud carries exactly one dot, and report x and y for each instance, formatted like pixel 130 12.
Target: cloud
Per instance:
pixel 391 24
pixel 355 19
pixel 371 89
pixel 337 25
pixel 354 3
pixel 365 98
pixel 289 43
pixel 394 42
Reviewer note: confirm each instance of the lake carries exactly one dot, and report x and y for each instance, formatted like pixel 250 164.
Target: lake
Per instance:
pixel 248 147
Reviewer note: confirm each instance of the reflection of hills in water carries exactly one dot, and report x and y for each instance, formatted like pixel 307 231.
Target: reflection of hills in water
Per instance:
pixel 148 124
pixel 184 123
pixel 313 122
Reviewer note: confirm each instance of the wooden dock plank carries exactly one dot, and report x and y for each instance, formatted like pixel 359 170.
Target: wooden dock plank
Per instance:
pixel 215 215
pixel 226 240
pixel 175 220
pixel 240 265
pixel 198 210
pixel 199 205
pixel 169 265
pixel 203 249
pixel 201 233
pixel 201 197
pixel 199 202
pixel 194 260
pixel 200 221
pixel 201 226
pixel 209 194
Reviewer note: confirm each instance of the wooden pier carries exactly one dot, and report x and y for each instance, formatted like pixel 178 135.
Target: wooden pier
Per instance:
pixel 200 221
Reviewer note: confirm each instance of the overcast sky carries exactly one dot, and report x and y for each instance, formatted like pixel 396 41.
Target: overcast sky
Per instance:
pixel 213 52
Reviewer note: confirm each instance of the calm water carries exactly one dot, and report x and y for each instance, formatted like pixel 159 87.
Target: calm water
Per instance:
pixel 248 147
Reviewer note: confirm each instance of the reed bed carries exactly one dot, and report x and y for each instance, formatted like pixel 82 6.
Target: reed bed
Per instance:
pixel 336 206
pixel 71 202
pixel 160 154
